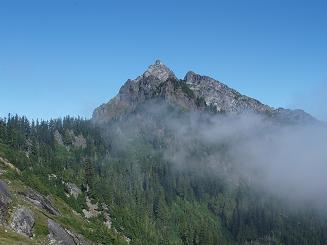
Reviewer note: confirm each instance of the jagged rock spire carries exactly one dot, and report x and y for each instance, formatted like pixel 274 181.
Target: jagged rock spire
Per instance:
pixel 159 70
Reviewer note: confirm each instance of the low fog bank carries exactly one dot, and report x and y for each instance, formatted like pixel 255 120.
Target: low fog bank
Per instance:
pixel 286 160
pixel 291 161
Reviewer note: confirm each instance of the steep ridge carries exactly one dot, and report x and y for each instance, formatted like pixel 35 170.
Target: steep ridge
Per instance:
pixel 157 82
pixel 194 92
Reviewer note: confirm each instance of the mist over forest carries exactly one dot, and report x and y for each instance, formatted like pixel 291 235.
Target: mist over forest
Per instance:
pixel 285 160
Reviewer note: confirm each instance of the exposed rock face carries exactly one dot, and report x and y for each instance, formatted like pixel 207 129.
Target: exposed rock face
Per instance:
pixel 58 138
pixel 76 141
pixel 5 199
pixel 108 222
pixel 221 97
pixel 106 215
pixel 159 71
pixel 73 190
pixel 157 82
pixel 40 201
pixel 23 221
pixel 52 177
pixel 92 209
pixel 195 92
pixel 79 142
pixel 60 236
pixel 78 238
pixel 224 99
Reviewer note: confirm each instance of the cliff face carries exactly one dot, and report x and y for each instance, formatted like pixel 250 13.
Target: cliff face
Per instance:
pixel 221 97
pixel 195 93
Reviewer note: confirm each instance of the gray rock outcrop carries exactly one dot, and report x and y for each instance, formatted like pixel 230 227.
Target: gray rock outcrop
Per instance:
pixel 61 236
pixel 221 97
pixel 78 141
pixel 23 221
pixel 58 138
pixel 5 199
pixel 73 190
pixel 158 70
pixel 107 222
pixel 92 211
pixel 40 201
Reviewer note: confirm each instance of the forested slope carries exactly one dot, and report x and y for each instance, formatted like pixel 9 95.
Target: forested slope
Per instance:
pixel 149 199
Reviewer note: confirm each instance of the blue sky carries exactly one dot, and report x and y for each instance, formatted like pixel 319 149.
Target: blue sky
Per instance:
pixel 62 57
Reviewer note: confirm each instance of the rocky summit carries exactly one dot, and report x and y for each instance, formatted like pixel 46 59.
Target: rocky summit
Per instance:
pixel 158 70
pixel 194 92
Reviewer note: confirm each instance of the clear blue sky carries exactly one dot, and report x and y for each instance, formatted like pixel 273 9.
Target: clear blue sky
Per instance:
pixel 60 57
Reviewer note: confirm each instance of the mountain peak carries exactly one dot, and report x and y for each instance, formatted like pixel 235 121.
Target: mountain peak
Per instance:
pixel 158 81
pixel 159 70
pixel 158 62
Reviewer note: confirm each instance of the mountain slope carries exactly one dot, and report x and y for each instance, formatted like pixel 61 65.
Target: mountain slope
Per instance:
pixel 166 161
pixel 158 181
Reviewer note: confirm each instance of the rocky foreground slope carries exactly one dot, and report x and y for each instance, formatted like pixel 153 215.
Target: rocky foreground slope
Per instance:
pixel 29 217
pixel 25 215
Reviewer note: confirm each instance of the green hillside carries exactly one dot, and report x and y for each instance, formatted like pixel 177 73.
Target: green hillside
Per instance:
pixel 148 199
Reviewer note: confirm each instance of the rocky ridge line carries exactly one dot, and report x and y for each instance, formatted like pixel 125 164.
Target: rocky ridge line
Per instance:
pixel 195 93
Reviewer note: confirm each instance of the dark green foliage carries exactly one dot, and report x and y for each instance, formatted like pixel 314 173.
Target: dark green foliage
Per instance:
pixel 200 101
pixel 89 173
pixel 183 86
pixel 41 229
